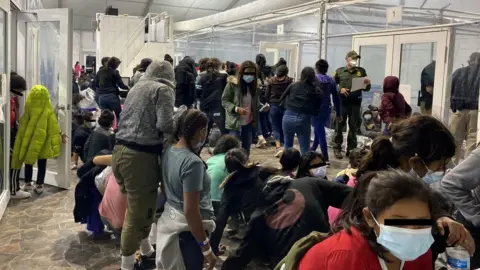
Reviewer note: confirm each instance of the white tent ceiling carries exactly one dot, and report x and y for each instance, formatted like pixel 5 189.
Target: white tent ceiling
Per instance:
pixel 85 10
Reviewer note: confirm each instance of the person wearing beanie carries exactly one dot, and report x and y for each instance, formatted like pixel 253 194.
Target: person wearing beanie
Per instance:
pixel 18 86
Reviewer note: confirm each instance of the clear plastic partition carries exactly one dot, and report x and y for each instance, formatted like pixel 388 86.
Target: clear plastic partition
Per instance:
pixel 372 16
pixel 467 41
pixel 309 54
pixel 337 48
pixel 3 69
pixel 3 40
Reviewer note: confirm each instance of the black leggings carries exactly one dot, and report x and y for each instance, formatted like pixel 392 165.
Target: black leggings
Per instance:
pixel 15 175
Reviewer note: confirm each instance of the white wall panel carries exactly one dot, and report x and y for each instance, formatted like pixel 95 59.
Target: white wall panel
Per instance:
pixel 115 32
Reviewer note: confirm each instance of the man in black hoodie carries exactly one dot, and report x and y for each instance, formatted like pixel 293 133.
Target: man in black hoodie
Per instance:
pixel 464 105
pixel 185 74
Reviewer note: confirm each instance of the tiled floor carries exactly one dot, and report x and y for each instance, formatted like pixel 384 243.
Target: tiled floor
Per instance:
pixel 39 233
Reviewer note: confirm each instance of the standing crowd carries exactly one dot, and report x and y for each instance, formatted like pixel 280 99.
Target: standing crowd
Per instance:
pixel 401 204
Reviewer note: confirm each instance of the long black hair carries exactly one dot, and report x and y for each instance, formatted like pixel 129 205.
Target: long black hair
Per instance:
pixel 304 166
pixel 252 87
pixel 379 191
pixel 420 135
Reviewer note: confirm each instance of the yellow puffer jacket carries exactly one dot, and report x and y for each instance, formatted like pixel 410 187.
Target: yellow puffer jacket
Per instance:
pixel 38 136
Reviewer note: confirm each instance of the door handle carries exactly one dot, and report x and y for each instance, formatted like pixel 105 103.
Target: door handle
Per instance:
pixel 61 107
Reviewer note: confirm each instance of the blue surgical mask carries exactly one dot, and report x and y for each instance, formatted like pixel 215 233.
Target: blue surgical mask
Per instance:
pixel 320 172
pixel 405 244
pixel 431 176
pixel 248 78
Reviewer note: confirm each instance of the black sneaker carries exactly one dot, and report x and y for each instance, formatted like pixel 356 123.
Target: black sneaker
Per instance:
pixel 338 154
pixel 145 262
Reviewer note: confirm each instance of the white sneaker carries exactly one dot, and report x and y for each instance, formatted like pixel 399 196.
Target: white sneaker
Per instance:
pixel 27 187
pixel 279 153
pixel 38 189
pixel 21 195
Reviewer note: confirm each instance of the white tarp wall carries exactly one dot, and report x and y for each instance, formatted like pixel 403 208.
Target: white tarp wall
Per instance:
pixel 120 36
pixel 83 45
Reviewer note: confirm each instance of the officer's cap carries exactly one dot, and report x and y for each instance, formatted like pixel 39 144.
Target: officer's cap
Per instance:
pixel 353 54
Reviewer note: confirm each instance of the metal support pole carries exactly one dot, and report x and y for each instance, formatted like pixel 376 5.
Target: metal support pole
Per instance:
pixel 253 41
pixel 323 29
pixel 213 41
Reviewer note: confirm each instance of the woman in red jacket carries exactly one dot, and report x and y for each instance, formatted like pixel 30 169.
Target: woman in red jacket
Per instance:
pixel 394 233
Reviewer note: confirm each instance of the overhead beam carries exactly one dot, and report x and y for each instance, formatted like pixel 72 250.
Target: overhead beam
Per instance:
pixel 171 6
pixel 232 4
pixel 423 4
pixel 148 5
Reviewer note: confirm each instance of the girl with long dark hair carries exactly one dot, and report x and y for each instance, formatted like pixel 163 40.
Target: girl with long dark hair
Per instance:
pixel 301 101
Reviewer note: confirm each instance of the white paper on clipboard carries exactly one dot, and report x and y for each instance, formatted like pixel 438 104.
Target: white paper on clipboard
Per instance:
pixel 358 84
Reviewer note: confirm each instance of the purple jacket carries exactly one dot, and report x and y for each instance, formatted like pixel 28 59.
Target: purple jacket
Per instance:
pixel 330 90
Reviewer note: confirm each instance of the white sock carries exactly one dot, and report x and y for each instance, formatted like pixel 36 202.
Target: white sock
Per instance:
pixel 128 262
pixel 153 234
pixel 146 248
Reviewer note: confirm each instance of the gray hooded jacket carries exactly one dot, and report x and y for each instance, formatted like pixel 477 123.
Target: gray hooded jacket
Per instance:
pixel 148 109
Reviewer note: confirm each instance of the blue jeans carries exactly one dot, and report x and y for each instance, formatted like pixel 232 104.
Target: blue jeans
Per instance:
pixel 276 116
pixel 264 127
pixel 318 123
pixel 110 102
pixel 245 135
pixel 191 251
pixel 300 124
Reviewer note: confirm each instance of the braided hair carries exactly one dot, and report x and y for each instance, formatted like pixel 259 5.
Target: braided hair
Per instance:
pixel 189 122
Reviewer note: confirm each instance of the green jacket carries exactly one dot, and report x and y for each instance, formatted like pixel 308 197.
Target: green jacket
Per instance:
pixel 38 135
pixel 343 77
pixel 299 249
pixel 232 98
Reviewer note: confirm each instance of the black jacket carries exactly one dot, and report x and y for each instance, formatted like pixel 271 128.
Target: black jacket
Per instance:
pixel 100 139
pixel 465 87
pixel 107 81
pixel 276 88
pixel 289 211
pixel 210 89
pixel 185 80
pixel 427 79
pixel 303 98
pixel 241 195
pixel 79 138
pixel 83 197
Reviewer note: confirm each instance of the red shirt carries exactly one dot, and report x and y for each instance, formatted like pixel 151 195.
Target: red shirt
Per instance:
pixel 352 252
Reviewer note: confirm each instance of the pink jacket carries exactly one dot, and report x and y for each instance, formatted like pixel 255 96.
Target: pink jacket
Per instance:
pixel 334 212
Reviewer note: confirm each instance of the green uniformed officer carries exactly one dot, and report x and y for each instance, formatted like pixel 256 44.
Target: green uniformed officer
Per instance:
pixel 351 102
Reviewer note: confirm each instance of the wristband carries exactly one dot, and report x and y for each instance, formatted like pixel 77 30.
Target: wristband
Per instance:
pixel 204 243
pixel 208 252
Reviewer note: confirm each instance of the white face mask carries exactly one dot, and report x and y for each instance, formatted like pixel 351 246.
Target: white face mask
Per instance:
pixel 91 124
pixel 405 244
pixel 367 116
pixel 353 63
pixel 431 176
pixel 320 172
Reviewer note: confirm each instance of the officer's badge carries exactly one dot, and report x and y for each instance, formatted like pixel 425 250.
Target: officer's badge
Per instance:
pixel 359 74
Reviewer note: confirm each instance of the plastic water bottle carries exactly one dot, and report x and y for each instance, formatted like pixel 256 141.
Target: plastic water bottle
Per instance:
pixel 457 258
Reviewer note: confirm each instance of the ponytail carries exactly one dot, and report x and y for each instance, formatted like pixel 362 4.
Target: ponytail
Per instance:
pixel 380 157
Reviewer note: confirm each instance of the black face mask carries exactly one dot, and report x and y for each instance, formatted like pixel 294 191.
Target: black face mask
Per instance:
pixel 18 93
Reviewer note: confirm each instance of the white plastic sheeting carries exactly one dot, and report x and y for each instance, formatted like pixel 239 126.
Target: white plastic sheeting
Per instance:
pixel 237 13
